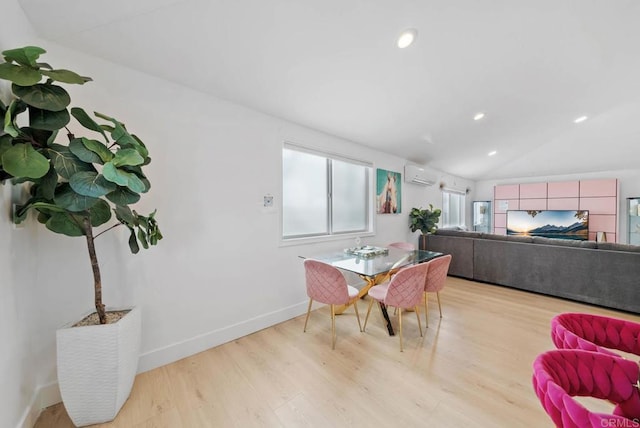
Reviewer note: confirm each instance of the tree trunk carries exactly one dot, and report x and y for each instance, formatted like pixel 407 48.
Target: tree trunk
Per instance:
pixel 97 282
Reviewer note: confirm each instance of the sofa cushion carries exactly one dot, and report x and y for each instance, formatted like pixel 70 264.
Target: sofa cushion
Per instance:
pixel 557 241
pixel 512 238
pixel 614 246
pixel 460 233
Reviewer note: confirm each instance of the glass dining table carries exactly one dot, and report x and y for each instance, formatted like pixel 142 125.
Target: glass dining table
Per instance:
pixel 375 267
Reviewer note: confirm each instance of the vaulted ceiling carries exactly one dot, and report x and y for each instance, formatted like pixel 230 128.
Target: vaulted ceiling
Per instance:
pixel 531 66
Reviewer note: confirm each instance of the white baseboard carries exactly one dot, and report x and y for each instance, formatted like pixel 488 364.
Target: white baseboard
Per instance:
pixel 49 394
pixel 45 396
pixel 174 352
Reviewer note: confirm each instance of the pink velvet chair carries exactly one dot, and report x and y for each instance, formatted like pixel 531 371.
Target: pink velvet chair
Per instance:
pixel 436 279
pixel 595 333
pixel 403 246
pixel 326 284
pixel 403 291
pixel 560 375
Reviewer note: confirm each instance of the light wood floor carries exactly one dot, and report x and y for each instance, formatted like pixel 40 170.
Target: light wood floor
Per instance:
pixel 472 368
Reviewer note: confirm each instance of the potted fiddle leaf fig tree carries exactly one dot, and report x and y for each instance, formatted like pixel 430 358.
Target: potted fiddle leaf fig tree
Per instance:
pixel 76 188
pixel 424 220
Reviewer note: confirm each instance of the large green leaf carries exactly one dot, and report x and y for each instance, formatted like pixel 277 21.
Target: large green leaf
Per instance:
pixel 26 55
pixel 5 144
pixel 133 243
pixel 123 196
pixel 48 184
pixel 19 75
pixel 22 160
pixel 122 137
pixel 43 96
pixel 140 174
pixel 142 237
pixel 15 108
pixel 86 121
pixel 122 178
pixel 68 199
pixel 98 148
pixel 38 137
pixel 66 76
pixel 100 213
pixel 65 224
pixel 48 120
pixel 81 151
pixel 90 183
pixel 65 162
pixel 129 157
pixel 46 208
pixel 125 215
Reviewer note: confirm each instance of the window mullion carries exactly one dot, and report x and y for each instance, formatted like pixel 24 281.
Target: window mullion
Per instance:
pixel 329 196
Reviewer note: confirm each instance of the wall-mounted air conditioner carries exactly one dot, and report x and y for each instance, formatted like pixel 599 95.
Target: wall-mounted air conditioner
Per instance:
pixel 418 175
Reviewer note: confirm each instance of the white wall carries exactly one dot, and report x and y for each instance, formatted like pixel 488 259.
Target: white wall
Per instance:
pixel 19 316
pixel 220 272
pixel 629 181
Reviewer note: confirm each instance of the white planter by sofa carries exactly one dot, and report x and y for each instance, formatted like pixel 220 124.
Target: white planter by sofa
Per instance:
pixel 97 366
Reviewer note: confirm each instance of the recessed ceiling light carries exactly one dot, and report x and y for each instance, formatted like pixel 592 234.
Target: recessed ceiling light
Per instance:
pixel 478 116
pixel 493 152
pixel 580 119
pixel 407 37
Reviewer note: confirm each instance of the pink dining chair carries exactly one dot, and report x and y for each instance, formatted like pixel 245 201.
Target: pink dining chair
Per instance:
pixel 403 246
pixel 436 279
pixel 561 374
pixel 404 291
pixel 326 284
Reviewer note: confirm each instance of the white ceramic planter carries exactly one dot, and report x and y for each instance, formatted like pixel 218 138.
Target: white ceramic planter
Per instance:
pixel 96 368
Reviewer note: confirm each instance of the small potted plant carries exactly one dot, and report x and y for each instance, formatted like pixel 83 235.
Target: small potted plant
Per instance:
pixel 424 220
pixel 76 187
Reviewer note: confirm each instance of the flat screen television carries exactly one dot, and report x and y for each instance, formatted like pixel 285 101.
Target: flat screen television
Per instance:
pixel 563 224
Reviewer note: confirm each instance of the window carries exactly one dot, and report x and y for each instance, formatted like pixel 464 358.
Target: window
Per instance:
pixel 323 194
pixel 453 209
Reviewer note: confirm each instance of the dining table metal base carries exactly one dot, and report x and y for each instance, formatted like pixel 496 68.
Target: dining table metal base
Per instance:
pixel 371 282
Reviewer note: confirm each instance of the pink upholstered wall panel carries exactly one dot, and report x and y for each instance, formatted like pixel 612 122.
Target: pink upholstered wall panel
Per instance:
pixel 533 204
pixel 563 189
pixel 602 223
pixel 599 197
pixel 563 203
pixel 511 204
pixel 606 205
pixel 500 231
pixel 533 191
pixel 590 188
pixel 509 191
pixel 500 220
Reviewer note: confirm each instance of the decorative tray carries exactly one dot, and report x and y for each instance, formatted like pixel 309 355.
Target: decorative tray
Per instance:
pixel 366 251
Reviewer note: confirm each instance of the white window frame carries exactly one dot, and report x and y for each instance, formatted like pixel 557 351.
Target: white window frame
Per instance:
pixel 370 209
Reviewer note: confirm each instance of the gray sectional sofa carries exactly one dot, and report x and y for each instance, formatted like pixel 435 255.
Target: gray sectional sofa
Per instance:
pixel 604 273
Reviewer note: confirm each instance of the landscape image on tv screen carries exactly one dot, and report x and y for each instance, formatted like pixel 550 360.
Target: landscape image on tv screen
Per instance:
pixel 564 224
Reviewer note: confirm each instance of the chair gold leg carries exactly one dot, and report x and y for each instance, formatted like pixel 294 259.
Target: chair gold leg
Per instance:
pixel 400 326
pixel 368 312
pixel 439 306
pixel 418 316
pixel 355 306
pixel 333 327
pixel 307 318
pixel 426 310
